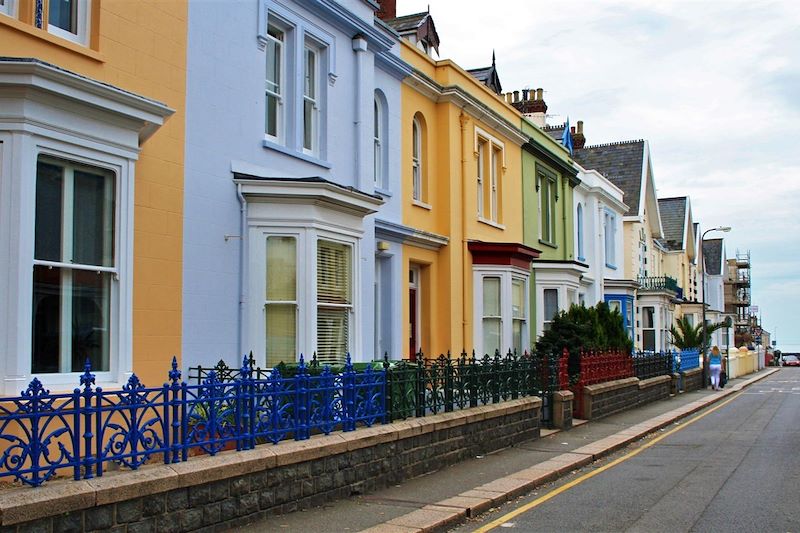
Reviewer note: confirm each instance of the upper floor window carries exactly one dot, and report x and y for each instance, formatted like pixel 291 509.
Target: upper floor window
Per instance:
pixel 68 19
pixel 417 163
pixel 547 207
pixel 579 224
pixel 489 152
pixel 6 7
pixel 609 236
pixel 74 267
pixel 275 87
pixel 311 101
pixel 377 139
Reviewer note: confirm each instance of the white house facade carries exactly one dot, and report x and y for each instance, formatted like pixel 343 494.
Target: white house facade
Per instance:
pixel 292 217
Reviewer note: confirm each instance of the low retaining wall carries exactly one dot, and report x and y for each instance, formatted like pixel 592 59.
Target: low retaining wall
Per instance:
pixel 693 380
pixel 206 493
pixel 611 397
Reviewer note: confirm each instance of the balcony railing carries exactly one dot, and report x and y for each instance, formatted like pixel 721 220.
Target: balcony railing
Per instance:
pixel 660 283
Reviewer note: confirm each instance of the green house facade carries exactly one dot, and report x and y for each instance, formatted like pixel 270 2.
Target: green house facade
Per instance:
pixel 548 181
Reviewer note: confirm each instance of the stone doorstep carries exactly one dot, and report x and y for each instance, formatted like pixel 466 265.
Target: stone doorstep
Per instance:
pixel 24 504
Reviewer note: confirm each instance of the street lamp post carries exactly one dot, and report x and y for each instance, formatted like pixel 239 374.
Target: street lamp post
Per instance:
pixel 725 229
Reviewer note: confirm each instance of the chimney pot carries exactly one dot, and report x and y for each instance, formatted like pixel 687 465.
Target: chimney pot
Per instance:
pixel 572 129
pixel 540 94
pixel 580 126
pixel 516 96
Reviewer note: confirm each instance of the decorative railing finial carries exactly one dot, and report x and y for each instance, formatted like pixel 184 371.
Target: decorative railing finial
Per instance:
pixel 87 378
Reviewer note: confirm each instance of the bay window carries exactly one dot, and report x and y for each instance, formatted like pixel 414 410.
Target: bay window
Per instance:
pixel 550 297
pixel 501 310
pixel 281 300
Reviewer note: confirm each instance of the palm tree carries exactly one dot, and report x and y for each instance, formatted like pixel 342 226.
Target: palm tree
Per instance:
pixel 686 336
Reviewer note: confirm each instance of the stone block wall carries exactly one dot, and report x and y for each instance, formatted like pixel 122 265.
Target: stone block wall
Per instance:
pixel 562 409
pixel 693 380
pixel 233 488
pixel 653 389
pixel 614 396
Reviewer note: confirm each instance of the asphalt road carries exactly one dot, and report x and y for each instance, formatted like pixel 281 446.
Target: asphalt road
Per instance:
pixel 732 467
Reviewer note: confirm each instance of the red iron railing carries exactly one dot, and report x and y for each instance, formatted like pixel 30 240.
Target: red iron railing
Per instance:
pixel 600 367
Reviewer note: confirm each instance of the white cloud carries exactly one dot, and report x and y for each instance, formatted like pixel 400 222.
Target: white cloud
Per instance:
pixel 712 86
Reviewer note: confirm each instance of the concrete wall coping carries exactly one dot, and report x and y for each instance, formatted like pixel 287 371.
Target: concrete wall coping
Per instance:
pixel 608 386
pixel 652 382
pixel 693 371
pixel 564 395
pixel 23 504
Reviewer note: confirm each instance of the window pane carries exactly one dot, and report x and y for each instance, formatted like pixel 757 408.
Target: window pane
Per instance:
pixel 281 268
pixel 274 65
pixel 649 340
pixel 649 317
pixel 93 219
pixel 91 311
pixel 491 296
pixel 310 88
pixel 64 15
pixel 75 303
pixel 308 124
pixel 376 120
pixel 332 333
pixel 272 116
pixel 491 335
pixel 333 273
pixel 516 333
pixel 550 303
pixel 49 200
pixel 281 333
pixel 46 320
pixel 518 298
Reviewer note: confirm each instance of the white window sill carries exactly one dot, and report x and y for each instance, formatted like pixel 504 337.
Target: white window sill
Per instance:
pixel 423 205
pixel 491 223
pixel 299 155
pixel 383 192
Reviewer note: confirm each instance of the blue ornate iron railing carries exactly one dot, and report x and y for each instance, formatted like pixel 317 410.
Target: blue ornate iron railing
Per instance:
pixel 686 360
pixel 43 435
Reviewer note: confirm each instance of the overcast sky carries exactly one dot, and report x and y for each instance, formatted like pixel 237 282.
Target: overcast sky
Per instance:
pixel 713 86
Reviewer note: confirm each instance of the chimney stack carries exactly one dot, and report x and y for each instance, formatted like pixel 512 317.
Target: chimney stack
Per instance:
pixel 387 10
pixel 578 139
pixel 531 105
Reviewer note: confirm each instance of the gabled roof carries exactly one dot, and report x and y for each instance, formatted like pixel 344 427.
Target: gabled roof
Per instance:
pixel 712 256
pixel 621 162
pixel 420 25
pixel 673 221
pixel 488 76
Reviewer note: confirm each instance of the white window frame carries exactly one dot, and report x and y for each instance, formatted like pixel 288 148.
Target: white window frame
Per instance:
pixel 280 93
pixel 82 21
pixel 349 307
pixel 298 287
pixel 481 171
pixel 609 238
pixel 506 275
pixel 67 268
pixel 547 208
pixel 315 100
pixel 416 160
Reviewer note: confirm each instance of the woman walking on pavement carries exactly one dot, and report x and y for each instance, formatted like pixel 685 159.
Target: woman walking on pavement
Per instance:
pixel 715 366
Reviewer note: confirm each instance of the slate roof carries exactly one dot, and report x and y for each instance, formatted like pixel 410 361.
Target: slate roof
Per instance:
pixel 620 162
pixel 555 131
pixel 407 23
pixel 488 76
pixel 673 218
pixel 712 254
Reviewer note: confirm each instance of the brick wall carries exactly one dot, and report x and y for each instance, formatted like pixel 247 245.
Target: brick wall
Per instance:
pixel 208 493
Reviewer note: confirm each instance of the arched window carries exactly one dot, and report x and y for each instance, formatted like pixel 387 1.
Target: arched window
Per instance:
pixel 579 223
pixel 416 159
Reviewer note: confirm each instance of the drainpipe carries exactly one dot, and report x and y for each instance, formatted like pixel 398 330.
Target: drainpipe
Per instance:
pixel 360 48
pixel 463 119
pixel 242 266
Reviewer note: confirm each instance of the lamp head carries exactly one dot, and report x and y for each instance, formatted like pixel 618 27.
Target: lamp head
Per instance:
pixel 726 229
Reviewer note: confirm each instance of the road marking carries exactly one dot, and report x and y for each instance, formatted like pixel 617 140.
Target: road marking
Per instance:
pixel 538 501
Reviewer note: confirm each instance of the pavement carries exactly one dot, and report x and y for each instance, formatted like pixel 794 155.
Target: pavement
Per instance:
pixel 445 498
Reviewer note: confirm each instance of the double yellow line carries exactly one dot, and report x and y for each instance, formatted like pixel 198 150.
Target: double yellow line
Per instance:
pixel 538 501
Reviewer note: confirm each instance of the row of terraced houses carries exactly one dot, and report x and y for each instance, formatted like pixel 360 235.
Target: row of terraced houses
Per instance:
pixel 206 179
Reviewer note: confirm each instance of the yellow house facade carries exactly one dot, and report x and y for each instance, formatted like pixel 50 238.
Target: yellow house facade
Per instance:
pixel 466 269
pixel 91 189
